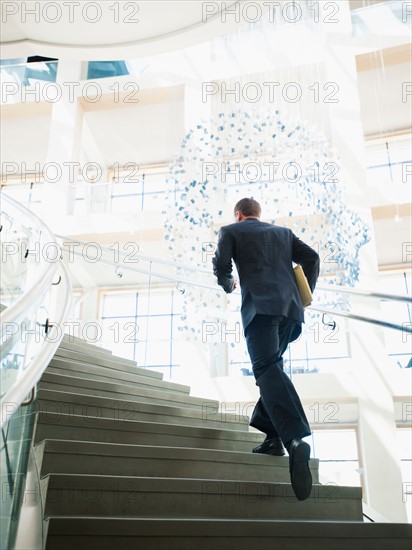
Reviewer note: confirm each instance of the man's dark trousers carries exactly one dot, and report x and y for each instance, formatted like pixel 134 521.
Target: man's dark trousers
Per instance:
pixel 279 411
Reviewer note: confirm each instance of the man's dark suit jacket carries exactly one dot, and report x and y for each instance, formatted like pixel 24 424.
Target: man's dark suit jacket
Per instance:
pixel 263 255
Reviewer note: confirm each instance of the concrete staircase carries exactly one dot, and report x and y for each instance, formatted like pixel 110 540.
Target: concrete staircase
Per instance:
pixel 129 461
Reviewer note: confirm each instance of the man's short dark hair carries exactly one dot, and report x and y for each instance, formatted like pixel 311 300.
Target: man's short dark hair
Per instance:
pixel 248 207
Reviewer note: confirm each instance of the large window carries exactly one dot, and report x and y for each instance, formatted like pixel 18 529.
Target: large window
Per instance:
pixel 404 437
pixel 106 69
pixel 242 179
pixel 318 349
pixel 142 191
pixel 397 343
pixel 27 193
pixel 382 18
pixel 142 327
pixel 28 71
pixel 387 161
pixel 135 189
pixel 337 451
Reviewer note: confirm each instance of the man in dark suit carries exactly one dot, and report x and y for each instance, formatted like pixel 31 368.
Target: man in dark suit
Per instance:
pixel 272 313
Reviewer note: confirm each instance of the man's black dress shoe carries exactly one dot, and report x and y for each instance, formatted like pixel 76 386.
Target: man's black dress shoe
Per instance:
pixel 300 476
pixel 271 446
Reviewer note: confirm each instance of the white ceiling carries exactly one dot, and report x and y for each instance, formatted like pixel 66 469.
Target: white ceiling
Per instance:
pixel 357 4
pixel 154 131
pixel 104 31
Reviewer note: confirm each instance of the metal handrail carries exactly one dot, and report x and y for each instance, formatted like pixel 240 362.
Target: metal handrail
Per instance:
pixel 15 312
pixel 157 274
pixel 332 288
pixel 319 308
pixel 141 257
pixel 364 318
pixel 366 293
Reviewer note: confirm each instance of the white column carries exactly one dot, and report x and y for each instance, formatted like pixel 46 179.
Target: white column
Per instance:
pixel 90 325
pixel 382 480
pixel 64 140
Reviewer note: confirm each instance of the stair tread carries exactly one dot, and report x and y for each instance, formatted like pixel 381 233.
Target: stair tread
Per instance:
pixel 77 339
pixel 111 361
pixel 86 347
pixel 133 495
pixel 72 345
pixel 151 427
pixel 107 374
pixel 202 526
pixel 112 402
pixel 119 388
pixel 80 428
pixel 189 485
pixel 155 533
pixel 186 453
pixel 81 457
pixel 158 427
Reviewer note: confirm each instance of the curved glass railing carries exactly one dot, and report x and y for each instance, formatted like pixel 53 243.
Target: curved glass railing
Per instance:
pixel 31 269
pixel 36 300
pixel 20 266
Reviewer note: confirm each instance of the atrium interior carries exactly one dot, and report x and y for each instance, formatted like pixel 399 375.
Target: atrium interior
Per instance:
pixel 130 131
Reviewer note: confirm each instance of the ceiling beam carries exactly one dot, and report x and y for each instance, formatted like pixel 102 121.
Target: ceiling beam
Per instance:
pixel 359 4
pixel 389 56
pixel 389 210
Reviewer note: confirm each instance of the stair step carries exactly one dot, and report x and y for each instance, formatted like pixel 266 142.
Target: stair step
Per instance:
pixel 76 340
pixel 128 460
pixel 94 495
pixel 103 533
pixel 76 384
pixel 105 430
pixel 83 346
pixel 80 457
pixel 54 403
pixel 70 367
pixel 90 349
pixel 117 364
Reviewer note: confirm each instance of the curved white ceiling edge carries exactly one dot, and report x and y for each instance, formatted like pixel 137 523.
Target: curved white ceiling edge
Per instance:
pixel 174 40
